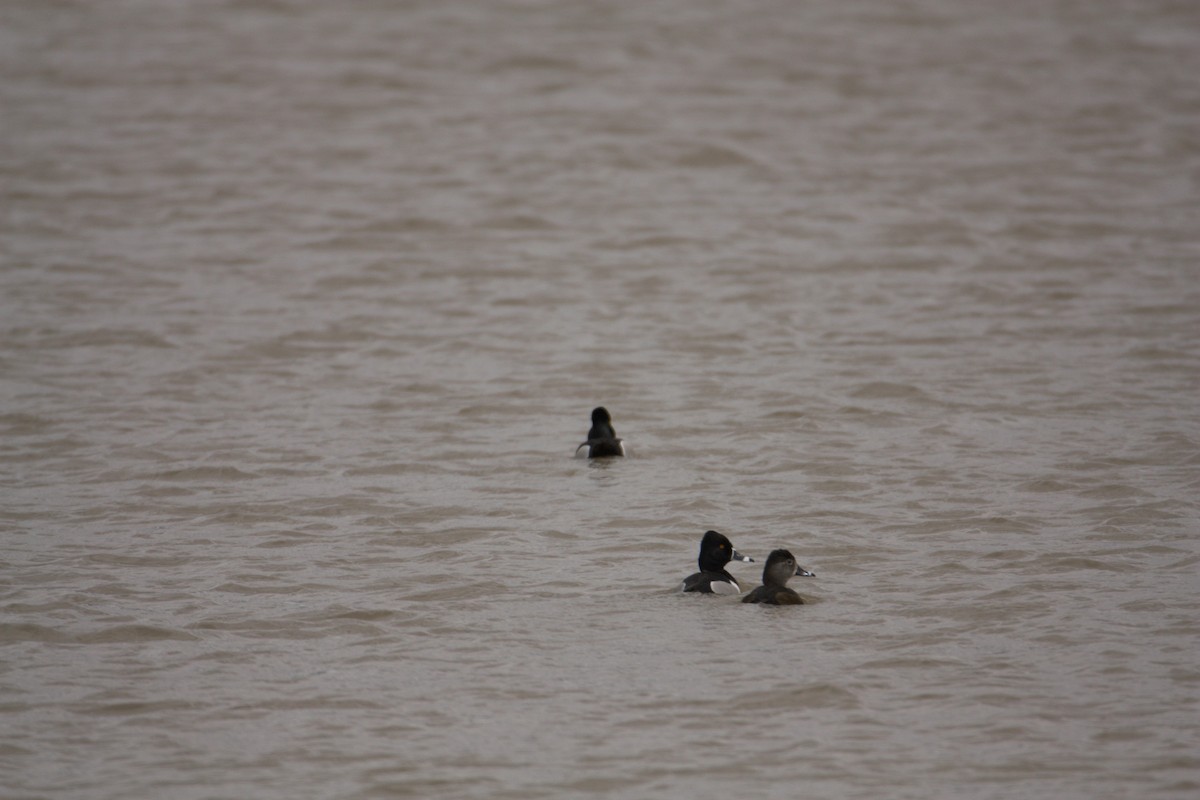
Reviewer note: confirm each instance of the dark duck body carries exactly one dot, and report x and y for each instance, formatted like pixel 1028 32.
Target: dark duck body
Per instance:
pixel 602 440
pixel 715 552
pixel 780 567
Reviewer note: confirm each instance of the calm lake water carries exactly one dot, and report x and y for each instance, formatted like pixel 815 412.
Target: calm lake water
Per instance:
pixel 304 307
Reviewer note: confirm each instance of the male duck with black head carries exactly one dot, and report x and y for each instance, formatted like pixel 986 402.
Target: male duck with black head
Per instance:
pixel 715 552
pixel 780 566
pixel 602 440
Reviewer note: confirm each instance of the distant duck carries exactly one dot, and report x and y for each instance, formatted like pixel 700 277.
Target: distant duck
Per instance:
pixel 780 566
pixel 715 552
pixel 602 440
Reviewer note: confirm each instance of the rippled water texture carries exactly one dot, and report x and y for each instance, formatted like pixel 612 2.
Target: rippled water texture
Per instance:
pixel 304 307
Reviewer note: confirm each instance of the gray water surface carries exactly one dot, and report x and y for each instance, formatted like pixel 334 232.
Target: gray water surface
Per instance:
pixel 304 306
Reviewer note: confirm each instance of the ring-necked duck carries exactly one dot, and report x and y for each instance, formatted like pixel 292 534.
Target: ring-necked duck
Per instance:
pixel 780 566
pixel 715 552
pixel 602 440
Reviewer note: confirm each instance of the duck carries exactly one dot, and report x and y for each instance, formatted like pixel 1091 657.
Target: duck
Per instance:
pixel 781 566
pixel 602 440
pixel 715 552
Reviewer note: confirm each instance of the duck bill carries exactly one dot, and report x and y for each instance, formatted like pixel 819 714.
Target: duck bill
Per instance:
pixel 801 571
pixel 739 557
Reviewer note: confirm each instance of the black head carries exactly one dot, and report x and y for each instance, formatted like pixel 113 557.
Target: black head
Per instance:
pixel 781 566
pixel 716 551
pixel 600 416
